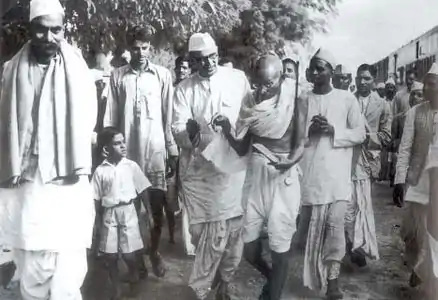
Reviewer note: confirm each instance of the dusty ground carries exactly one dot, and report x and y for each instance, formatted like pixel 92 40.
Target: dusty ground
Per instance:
pixel 383 280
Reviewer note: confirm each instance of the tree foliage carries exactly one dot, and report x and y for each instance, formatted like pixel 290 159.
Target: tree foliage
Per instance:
pixel 244 28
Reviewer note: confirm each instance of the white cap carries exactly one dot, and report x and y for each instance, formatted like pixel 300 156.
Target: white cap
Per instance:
pixel 434 69
pixel 40 8
pixel 326 56
pixel 342 69
pixel 202 42
pixel 380 85
pixel 417 86
pixel 390 81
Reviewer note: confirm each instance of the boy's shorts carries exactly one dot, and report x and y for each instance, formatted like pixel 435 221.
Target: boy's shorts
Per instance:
pixel 120 230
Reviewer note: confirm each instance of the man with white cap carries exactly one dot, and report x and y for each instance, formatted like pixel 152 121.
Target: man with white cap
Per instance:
pixel 48 106
pixel 411 181
pixel 431 94
pixel 334 126
pixel 400 103
pixel 416 97
pixel 211 172
pixel 359 219
pixel 342 78
pixel 380 89
pixel 140 104
pixel 386 172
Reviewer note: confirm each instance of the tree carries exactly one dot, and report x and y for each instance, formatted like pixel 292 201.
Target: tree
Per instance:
pixel 243 28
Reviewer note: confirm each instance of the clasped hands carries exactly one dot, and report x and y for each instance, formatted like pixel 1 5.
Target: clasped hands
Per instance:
pixel 194 128
pixel 321 126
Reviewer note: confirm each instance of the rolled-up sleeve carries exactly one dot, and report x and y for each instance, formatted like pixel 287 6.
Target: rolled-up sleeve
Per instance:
pixel 181 114
pixel 167 111
pixel 404 151
pixel 354 133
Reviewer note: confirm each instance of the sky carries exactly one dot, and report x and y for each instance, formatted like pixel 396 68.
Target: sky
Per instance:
pixel 365 31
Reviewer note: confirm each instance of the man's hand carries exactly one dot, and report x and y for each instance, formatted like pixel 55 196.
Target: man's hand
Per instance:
pixel 223 122
pixel 172 163
pixel 14 182
pixel 194 130
pixel 399 194
pixel 321 126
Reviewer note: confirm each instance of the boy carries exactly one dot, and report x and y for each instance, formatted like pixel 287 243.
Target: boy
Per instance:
pixel 117 182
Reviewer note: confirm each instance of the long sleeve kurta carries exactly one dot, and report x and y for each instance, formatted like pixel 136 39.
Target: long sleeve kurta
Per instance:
pixel 209 194
pixel 140 105
pixel 327 160
pixel 420 192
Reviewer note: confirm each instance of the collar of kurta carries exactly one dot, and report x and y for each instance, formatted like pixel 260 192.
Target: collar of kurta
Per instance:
pixel 108 163
pixel 150 68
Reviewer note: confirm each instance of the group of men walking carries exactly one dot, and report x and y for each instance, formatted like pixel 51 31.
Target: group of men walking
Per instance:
pixel 248 163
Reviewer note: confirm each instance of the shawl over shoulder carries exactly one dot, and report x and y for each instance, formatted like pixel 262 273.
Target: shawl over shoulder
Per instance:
pixel 74 109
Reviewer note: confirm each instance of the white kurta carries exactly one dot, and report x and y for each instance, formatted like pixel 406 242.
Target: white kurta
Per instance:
pixel 326 164
pixel 209 194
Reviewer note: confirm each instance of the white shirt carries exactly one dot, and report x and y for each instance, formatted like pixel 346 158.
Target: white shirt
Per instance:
pixel 327 161
pixel 116 184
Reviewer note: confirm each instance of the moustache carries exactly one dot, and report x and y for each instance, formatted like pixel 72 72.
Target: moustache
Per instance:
pixel 46 46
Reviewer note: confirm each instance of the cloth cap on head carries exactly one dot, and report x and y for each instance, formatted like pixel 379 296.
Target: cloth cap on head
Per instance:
pixel 326 56
pixel 390 81
pixel 202 42
pixel 434 69
pixel 380 85
pixel 341 69
pixel 40 8
pixel 417 86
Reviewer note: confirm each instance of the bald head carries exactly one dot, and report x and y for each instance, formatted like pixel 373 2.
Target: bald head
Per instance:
pixel 269 67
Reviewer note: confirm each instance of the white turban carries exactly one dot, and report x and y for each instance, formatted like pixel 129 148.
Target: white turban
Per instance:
pixel 40 8
pixel 326 56
pixel 202 42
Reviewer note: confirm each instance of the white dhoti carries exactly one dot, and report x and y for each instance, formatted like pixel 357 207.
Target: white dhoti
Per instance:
pixel 58 274
pixel 325 247
pixel 272 200
pixel 359 220
pixel 219 248
pixel 50 229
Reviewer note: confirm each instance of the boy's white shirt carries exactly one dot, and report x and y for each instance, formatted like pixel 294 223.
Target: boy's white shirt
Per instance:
pixel 115 184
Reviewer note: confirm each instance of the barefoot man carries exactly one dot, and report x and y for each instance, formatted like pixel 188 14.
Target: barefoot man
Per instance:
pixel 271 192
pixel 335 125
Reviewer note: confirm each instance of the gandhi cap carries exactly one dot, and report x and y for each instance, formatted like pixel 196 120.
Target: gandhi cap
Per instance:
pixel 202 42
pixel 390 81
pixel 40 8
pixel 380 85
pixel 326 56
pixel 417 86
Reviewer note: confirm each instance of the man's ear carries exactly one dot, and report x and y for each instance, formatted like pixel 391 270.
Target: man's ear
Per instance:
pixel 105 151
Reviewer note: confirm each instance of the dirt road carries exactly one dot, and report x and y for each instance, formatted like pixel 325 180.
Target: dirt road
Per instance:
pixel 383 280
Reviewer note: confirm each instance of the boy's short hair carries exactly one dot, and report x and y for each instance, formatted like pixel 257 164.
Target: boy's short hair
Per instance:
pixel 138 33
pixel 105 137
pixel 369 68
